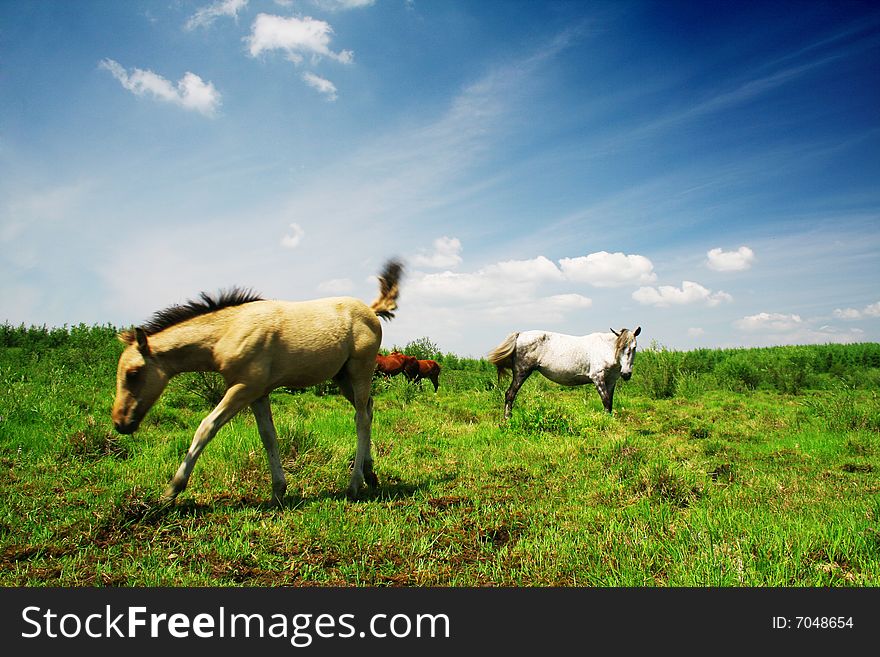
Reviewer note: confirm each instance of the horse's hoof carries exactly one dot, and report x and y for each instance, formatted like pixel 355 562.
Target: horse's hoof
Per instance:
pixel 371 479
pixel 169 495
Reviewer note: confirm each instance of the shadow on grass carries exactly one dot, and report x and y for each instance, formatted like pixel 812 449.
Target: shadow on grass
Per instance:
pixel 136 507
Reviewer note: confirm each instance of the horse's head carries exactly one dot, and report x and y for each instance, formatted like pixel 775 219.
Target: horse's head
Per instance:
pixel 139 382
pixel 625 350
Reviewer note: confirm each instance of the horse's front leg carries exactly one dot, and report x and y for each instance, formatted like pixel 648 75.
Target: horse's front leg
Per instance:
pixel 263 414
pixel 606 393
pixel 236 398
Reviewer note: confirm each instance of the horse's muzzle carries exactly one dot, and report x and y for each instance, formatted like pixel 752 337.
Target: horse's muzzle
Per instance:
pixel 126 428
pixel 626 376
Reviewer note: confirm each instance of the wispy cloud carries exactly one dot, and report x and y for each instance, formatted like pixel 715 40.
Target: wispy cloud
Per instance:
pixel 190 92
pixel 400 174
pixel 446 254
pixel 321 85
pixel 292 239
pixel 790 328
pixel 871 310
pixel 205 16
pixel 336 286
pixel 342 5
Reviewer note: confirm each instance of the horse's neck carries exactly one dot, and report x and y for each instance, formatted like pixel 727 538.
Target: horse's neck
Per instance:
pixel 188 347
pixel 606 342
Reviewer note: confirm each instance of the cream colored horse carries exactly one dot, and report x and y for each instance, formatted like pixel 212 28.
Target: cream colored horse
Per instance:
pixel 257 346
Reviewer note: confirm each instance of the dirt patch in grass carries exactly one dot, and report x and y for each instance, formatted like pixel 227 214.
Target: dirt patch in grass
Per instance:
pixel 857 467
pixel 93 444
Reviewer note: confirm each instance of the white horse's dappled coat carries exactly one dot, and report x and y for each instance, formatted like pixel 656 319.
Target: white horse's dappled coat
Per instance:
pixel 569 360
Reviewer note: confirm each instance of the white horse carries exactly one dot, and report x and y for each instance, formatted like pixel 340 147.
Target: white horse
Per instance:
pixel 569 360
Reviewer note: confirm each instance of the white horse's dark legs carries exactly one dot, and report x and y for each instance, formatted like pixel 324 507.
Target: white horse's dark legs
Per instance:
pixel 263 414
pixel 519 377
pixel 235 399
pixel 606 393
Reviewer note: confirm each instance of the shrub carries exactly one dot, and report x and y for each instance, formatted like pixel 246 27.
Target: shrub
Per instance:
pixel 738 372
pixel 655 372
pixel 207 386
pixel 423 349
pixel 789 372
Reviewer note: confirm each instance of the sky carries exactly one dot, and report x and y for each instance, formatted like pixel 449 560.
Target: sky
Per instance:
pixel 707 171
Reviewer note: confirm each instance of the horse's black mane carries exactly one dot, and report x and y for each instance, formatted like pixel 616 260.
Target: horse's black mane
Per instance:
pixel 176 314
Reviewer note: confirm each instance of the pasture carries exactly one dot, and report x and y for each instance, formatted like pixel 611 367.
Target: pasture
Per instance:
pixel 737 468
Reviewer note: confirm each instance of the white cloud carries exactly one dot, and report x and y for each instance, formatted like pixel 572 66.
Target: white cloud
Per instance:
pixel 871 310
pixel 206 15
pixel 446 254
pixel 322 85
pixel 688 293
pixel 342 5
pixel 847 313
pixel 292 240
pixel 510 281
pixel 550 310
pixel 449 286
pixel 769 322
pixel 569 301
pixel 603 269
pixel 535 270
pixel 696 332
pixel 336 286
pixel 297 37
pixel 191 92
pixel 801 333
pixel 738 260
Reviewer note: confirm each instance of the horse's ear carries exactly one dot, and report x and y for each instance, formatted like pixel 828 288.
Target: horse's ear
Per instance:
pixel 615 333
pixel 141 337
pixel 637 331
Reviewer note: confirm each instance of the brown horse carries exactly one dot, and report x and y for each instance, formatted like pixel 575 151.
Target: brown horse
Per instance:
pixel 424 369
pixel 392 364
pixel 257 346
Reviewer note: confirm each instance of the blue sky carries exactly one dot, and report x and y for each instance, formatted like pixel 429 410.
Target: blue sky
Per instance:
pixel 708 171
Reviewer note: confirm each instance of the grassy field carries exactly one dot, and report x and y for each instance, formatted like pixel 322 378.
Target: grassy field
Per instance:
pixel 717 469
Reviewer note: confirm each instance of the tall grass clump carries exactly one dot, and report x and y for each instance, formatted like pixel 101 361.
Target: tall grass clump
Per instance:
pixel 655 372
pixel 843 410
pixel 738 373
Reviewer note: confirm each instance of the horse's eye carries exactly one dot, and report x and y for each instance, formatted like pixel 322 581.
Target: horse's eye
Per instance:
pixel 132 375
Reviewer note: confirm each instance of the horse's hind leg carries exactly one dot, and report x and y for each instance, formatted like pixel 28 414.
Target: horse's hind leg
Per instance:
pixel 519 377
pixel 436 381
pixel 235 399
pixel 351 384
pixel 263 415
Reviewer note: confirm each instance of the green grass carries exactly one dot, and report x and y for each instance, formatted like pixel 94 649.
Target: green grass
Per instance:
pixel 706 485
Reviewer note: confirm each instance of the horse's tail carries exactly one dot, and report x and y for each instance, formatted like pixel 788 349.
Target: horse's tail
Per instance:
pixel 504 355
pixel 389 282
